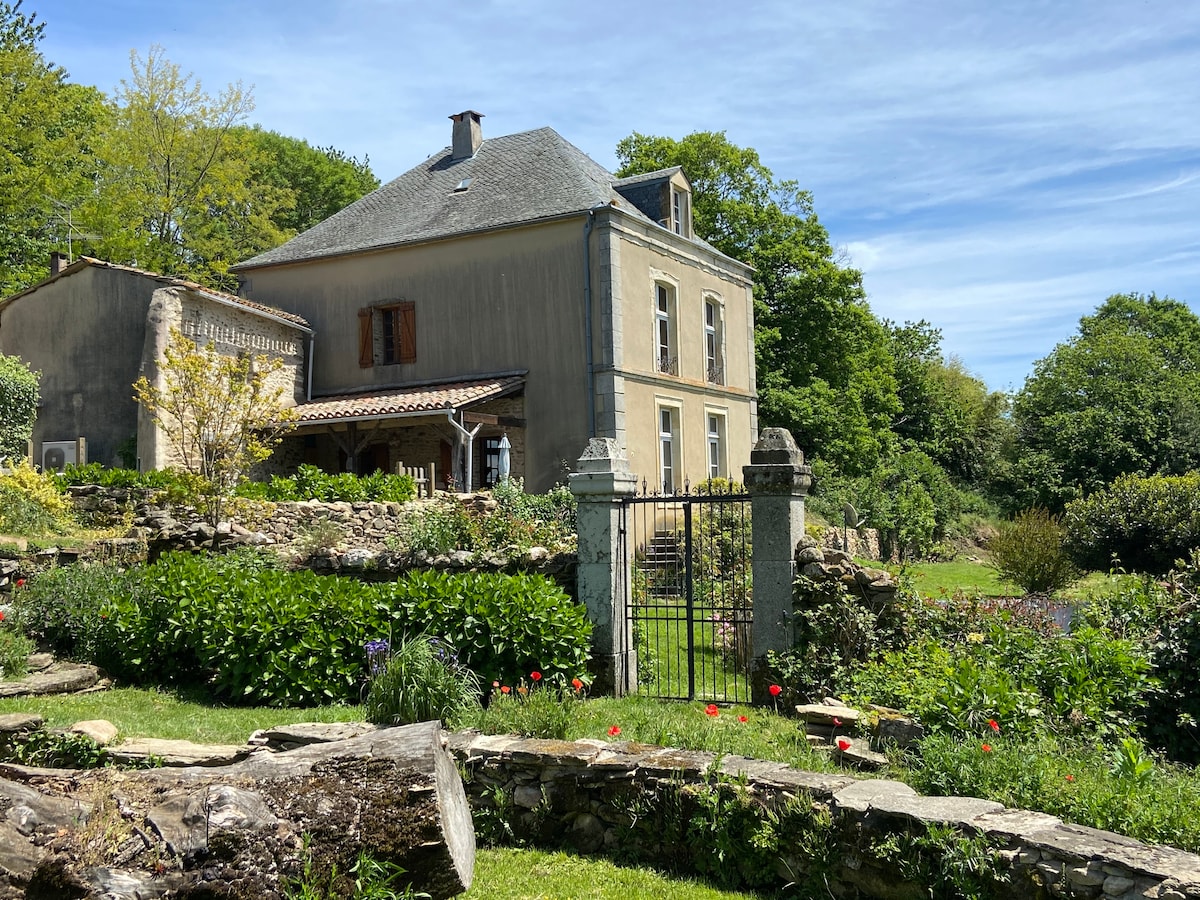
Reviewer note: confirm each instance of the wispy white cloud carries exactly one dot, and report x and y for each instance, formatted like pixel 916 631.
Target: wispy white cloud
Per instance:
pixel 997 169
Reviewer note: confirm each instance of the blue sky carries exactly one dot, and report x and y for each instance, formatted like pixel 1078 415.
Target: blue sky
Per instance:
pixel 997 168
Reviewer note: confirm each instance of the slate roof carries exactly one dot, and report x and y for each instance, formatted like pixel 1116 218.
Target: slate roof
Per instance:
pixel 515 179
pixel 656 175
pixel 171 281
pixel 430 398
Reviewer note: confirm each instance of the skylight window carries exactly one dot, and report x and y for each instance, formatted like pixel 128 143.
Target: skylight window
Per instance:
pixel 462 185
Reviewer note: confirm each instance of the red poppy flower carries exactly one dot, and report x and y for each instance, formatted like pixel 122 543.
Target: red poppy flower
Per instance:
pixel 843 744
pixel 1 617
pixel 577 684
pixel 711 710
pixel 994 725
pixel 20 582
pixel 495 684
pixel 535 676
pixel 987 748
pixel 775 690
pixel 506 689
pixel 743 719
pixel 1069 777
pixel 614 730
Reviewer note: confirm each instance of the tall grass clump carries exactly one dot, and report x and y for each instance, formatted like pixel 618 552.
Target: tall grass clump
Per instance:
pixel 417 680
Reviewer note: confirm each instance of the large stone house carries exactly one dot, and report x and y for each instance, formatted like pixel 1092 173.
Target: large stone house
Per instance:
pixel 513 288
pixel 92 328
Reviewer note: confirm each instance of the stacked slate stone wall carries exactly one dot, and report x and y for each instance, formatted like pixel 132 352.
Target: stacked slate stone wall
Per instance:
pixel 591 796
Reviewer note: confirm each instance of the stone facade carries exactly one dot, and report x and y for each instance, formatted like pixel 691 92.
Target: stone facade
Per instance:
pixel 232 330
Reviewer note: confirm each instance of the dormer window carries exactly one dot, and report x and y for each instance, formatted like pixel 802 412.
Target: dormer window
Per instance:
pixel 680 212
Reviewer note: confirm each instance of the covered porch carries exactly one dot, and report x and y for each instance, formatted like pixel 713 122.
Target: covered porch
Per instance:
pixel 458 427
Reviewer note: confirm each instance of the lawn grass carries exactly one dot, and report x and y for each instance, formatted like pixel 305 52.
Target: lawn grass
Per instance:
pixel 942 579
pixel 511 874
pixel 148 713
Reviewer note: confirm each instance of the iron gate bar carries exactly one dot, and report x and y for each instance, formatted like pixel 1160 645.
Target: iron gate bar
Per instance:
pixel 715 620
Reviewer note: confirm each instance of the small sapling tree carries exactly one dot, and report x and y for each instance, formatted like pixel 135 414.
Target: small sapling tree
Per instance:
pixel 222 414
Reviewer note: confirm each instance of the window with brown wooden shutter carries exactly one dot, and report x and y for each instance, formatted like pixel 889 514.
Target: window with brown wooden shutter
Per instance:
pixel 408 332
pixel 366 339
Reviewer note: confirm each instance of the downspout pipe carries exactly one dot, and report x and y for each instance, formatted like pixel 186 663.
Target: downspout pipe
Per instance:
pixel 589 354
pixel 312 342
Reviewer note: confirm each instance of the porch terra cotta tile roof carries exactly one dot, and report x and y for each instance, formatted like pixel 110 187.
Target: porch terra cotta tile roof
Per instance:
pixel 401 401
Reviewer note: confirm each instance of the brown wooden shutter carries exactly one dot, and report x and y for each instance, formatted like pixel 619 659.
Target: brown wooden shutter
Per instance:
pixel 408 332
pixel 366 339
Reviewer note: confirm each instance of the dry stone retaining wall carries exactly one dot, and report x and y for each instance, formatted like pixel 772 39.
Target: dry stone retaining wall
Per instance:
pixel 582 794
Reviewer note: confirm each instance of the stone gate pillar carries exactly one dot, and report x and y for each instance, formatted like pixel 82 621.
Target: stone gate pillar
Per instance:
pixel 600 482
pixel 778 481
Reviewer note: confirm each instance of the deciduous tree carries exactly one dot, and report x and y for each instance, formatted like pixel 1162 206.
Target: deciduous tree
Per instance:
pixel 177 190
pixel 1121 397
pixel 824 369
pixel 18 407
pixel 221 413
pixel 46 127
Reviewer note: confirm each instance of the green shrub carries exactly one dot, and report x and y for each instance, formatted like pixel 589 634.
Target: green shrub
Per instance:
pixel 61 608
pixel 311 483
pixel 252 634
pixel 441 527
pixel 18 407
pixel 1145 523
pixel 31 503
pixel 1028 551
pixel 417 680
pixel 14 653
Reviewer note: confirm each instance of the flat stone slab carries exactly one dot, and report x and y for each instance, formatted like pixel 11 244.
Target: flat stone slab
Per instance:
pixel 101 731
pixel 177 753
pixel 864 795
pixel 59 678
pixel 824 714
pixel 287 737
pixel 860 757
pixel 960 811
pixel 14 723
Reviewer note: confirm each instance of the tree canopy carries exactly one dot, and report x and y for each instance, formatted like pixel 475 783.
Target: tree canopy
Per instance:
pixel 46 129
pixel 824 370
pixel 1120 397
pixel 163 175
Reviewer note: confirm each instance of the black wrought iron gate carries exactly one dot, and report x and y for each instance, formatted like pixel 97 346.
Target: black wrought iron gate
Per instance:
pixel 689 597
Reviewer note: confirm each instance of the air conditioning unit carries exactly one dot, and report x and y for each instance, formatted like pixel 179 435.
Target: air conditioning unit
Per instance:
pixel 57 455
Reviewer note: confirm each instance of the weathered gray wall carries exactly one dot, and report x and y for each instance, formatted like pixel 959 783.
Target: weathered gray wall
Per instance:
pixel 84 333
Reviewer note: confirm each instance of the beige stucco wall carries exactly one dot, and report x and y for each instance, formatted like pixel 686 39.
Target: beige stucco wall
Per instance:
pixel 232 331
pixel 498 302
pixel 649 256
pixel 514 299
pixel 84 333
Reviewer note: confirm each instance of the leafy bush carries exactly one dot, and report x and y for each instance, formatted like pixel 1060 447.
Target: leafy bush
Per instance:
pixel 311 483
pixel 1017 669
pixel 31 503
pixel 61 608
pixel 152 479
pixel 1144 522
pixel 1078 781
pixel 18 407
pixel 1029 553
pixel 14 653
pixel 418 680
pixel 251 634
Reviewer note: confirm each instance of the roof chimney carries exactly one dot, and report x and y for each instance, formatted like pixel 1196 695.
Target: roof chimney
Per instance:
pixel 468 134
pixel 58 261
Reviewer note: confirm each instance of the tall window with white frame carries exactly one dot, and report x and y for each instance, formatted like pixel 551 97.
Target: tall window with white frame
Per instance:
pixel 668 448
pixel 679 211
pixel 664 327
pixel 714 358
pixel 716 445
